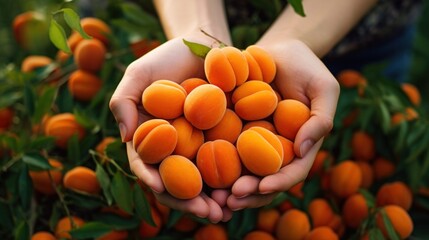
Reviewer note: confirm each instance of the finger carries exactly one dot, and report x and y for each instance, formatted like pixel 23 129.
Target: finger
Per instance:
pixel 227 214
pixel 215 211
pixel 245 186
pixel 220 196
pixel 291 174
pixel 252 201
pixel 196 206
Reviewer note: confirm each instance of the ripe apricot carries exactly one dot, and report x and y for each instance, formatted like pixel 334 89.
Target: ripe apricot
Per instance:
pixel 261 64
pixel 383 168
pixel 96 28
pixel 226 67
pixel 114 235
pixel 102 145
pixel 154 140
pixel 320 212
pixel 84 85
pixel 412 92
pixel 260 151
pixel 399 218
pixel 143 46
pixel 189 138
pixel 89 55
pixel 296 190
pixel 205 106
pixel 363 146
pixel 6 118
pixel 229 128
pixel 82 179
pixel 73 40
pixel 62 127
pixel 345 178
pixel 288 152
pixel 355 210
pixel 267 220
pixel 190 83
pixel 258 235
pixel 293 224
pixel 211 232
pixel 218 163
pixel 367 174
pixel 43 235
pixel 65 224
pixel 322 157
pixel 397 193
pixel 260 123
pixel 254 100
pixel 31 31
pixel 164 99
pixel 186 224
pixel 148 231
pixel 408 115
pixel 181 177
pixel 44 183
pixel 289 116
pixel 32 62
pixel 350 78
pixel 323 232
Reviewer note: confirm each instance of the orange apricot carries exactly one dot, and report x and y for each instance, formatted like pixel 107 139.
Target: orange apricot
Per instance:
pixel 65 224
pixel 367 174
pixel 148 231
pixel 31 31
pixel 260 150
pixel 345 178
pixel 258 235
pixel 44 183
pixel 154 140
pixel 355 210
pixel 296 190
pixel 84 85
pixel 6 118
pixel 363 146
pixel 397 193
pixel 399 218
pixel 293 224
pixel 102 145
pixel 89 55
pixel 383 168
pixel 82 179
pixel 409 114
pixel 62 127
pixel 219 163
pixel 289 116
pixel 205 106
pixel 320 212
pixel 143 46
pixel 43 235
pixel 254 100
pixel 288 152
pixel 261 64
pixel 320 233
pixel 211 232
pixel 350 78
pixel 190 83
pixel 181 177
pixel 322 157
pixel 96 28
pixel 267 220
pixel 189 138
pixel 229 128
pixel 164 99
pixel 226 67
pixel 114 235
pixel 73 40
pixel 32 62
pixel 412 92
pixel 185 224
pixel 260 123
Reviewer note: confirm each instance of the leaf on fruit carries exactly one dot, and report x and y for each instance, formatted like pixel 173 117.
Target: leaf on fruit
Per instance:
pixel 73 21
pixel 122 192
pixel 36 160
pixel 389 227
pixel 58 36
pixel 199 50
pixel 91 230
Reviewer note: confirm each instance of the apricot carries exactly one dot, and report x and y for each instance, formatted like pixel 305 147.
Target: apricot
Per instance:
pixel 260 123
pixel 226 67
pixel 355 210
pixel 164 99
pixel 84 85
pixel 33 62
pixel 322 157
pixel 288 152
pixel 293 224
pixel 189 138
pixel 254 100
pixel 412 92
pixel 44 183
pixel 73 40
pixel 367 174
pixel 82 179
pixel 43 235
pixel 148 231
pixel 383 168
pixel 154 140
pixel 229 128
pixel 190 83
pixel 409 114
pixel 104 143
pixel 212 232
pixel 31 31
pixel 205 106
pixel 289 116
pixel 345 178
pixel 267 220
pixel 89 55
pixel 6 118
pixel 218 163
pixel 261 64
pixel 320 212
pixel 399 218
pixel 350 78
pixel 143 46
pixel 319 233
pixel 114 235
pixel 186 224
pixel 65 224
pixel 363 146
pixel 62 127
pixel 397 193
pixel 181 177
pixel 258 235
pixel 260 150
pixel 96 28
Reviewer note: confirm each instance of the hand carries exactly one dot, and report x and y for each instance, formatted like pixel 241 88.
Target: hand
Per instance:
pixel 173 61
pixel 302 76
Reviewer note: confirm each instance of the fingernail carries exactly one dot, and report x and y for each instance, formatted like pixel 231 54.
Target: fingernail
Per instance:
pixel 243 196
pixel 123 131
pixel 305 147
pixel 236 209
pixel 267 192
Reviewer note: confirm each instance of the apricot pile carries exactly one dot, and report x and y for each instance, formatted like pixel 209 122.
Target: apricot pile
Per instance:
pixel 210 131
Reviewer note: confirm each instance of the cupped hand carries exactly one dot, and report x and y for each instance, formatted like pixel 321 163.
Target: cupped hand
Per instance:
pixel 301 75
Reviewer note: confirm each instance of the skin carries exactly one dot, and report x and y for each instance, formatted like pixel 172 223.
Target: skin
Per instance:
pixel 296 43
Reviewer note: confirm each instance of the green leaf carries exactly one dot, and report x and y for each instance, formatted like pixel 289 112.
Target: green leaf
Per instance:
pixel 174 216
pixel 384 117
pixel 29 99
pixel 375 234
pixel 42 143
pixel 142 206
pixel 43 104
pixel 104 180
pixel 389 227
pixel 25 187
pixel 36 160
pixel 73 149
pixel 83 200
pixel 6 219
pixel 297 6
pixel 73 21
pixel 22 231
pixel 121 191
pixel 134 13
pixel 91 230
pixel 117 151
pixel 199 50
pixel 370 201
pixel 58 36
pixel 119 223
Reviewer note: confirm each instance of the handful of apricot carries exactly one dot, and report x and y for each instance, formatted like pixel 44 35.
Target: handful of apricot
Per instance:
pixel 209 132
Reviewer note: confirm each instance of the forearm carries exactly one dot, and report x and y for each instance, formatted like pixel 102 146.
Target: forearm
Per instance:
pixel 325 24
pixel 184 18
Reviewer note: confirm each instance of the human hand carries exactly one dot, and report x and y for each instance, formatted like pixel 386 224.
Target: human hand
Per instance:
pixel 301 76
pixel 173 61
